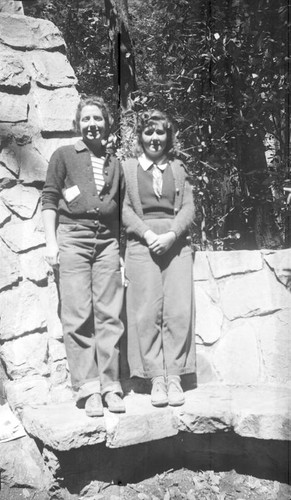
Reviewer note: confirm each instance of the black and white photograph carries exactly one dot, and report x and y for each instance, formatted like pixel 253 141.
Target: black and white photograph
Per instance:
pixel 145 250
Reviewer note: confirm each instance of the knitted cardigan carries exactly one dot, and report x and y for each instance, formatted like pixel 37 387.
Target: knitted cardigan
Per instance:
pixel 132 213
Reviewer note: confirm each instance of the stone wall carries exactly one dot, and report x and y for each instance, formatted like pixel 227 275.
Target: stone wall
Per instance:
pixel 38 99
pixel 243 317
pixel 242 298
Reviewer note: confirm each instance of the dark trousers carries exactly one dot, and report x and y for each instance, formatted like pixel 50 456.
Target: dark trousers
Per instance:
pixel 91 303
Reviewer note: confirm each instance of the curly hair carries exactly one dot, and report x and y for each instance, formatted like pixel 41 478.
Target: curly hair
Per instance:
pixel 100 103
pixel 151 117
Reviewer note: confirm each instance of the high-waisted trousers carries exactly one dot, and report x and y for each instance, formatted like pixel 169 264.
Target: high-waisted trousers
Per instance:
pixel 159 302
pixel 91 303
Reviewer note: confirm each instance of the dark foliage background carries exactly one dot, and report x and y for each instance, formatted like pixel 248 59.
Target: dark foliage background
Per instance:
pixel 221 69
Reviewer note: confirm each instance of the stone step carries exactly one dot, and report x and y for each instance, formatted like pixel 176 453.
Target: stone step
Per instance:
pixel 258 412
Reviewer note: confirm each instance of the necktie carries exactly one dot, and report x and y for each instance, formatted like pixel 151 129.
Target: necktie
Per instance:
pixel 157 181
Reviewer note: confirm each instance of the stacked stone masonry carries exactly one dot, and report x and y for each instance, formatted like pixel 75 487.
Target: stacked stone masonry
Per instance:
pixel 242 299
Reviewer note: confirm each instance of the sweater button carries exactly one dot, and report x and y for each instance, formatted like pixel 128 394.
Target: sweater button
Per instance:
pixel 106 172
pixel 176 210
pixel 96 222
pixel 177 190
pixel 101 198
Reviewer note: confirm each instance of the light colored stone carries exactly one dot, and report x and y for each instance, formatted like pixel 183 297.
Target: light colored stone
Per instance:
pixel 21 236
pixel 21 312
pixel 273 334
pixel 9 159
pixel 25 32
pixel 229 263
pixel 141 423
pixel 253 294
pixel 12 71
pixel 26 391
pixel 22 466
pixel 208 317
pixel 11 7
pixel 33 266
pixel 32 165
pixel 56 108
pixel 26 356
pixel 52 69
pixel 205 371
pixel 5 173
pixel 13 107
pixel 46 147
pixel 50 304
pixel 57 362
pixel 280 262
pixel 10 271
pixel 258 412
pixel 21 200
pixel 236 356
pixel 63 426
pixel 201 269
pixel 5 214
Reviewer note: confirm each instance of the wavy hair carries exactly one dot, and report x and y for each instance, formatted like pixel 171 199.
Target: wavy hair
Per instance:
pixel 151 117
pixel 100 103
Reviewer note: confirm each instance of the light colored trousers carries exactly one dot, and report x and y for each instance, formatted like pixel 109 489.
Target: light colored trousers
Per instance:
pixel 91 303
pixel 159 303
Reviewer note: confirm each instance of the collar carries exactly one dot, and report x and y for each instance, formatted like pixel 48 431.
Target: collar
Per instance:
pixel 81 146
pixel 146 164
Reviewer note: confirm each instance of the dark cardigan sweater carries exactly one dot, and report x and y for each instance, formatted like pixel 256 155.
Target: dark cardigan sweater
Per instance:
pixel 71 166
pixel 132 213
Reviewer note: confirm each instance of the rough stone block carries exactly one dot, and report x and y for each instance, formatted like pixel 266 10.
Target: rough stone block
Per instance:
pixel 280 262
pixel 11 7
pixel 26 356
pixel 274 340
pixel 56 108
pixel 26 391
pixel 32 165
pixel 10 272
pixel 208 317
pixel 259 412
pixel 57 362
pixel 240 262
pixel 52 69
pixel 21 200
pixel 33 266
pixel 21 236
pixel 13 107
pixel 49 299
pixel 25 32
pixel 236 357
pixel 12 71
pixel 201 269
pixel 9 159
pixel 5 214
pixel 46 147
pixel 21 311
pixel 253 294
pixel 205 370
pixel 141 423
pixel 63 426
pixel 22 466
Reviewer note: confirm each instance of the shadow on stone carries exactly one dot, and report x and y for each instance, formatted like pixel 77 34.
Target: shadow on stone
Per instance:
pixel 265 459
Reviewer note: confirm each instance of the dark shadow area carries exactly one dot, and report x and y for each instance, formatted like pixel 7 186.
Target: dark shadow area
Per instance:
pixel 264 459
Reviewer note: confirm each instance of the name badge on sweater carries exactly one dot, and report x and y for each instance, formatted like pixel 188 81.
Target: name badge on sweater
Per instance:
pixel 71 193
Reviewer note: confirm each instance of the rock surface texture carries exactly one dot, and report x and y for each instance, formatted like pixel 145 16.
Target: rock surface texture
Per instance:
pixel 243 307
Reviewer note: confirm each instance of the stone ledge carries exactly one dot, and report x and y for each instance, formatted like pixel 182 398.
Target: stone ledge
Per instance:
pixel 258 412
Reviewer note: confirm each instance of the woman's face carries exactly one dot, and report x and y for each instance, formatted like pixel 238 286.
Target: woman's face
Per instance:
pixel 92 123
pixel 154 140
